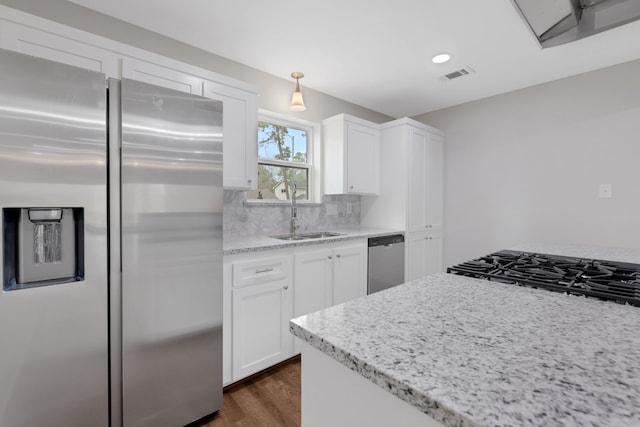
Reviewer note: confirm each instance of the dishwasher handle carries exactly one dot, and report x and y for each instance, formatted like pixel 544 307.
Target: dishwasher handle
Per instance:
pixel 386 240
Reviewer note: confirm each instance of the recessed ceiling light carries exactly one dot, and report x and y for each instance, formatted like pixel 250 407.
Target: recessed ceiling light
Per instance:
pixel 441 58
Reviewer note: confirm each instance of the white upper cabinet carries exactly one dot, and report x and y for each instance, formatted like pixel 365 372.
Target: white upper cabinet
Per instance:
pixel 78 52
pixel 435 182
pixel 239 112
pixel 424 210
pixel 240 139
pixel 31 35
pixel 158 75
pixel 351 157
pixel 418 140
pixel 411 175
pixel 363 164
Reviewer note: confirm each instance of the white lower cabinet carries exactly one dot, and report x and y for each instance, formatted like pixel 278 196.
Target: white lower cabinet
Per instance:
pixel 260 327
pixel 424 254
pixel 329 276
pixel 313 281
pixel 349 272
pixel 261 307
pixel 264 290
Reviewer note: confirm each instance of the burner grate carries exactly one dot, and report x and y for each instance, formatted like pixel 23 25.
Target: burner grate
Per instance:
pixel 607 280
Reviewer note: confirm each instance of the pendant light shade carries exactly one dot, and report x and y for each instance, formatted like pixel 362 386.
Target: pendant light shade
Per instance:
pixel 297 103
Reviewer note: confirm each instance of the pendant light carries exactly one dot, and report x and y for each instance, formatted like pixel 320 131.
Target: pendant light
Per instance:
pixel 297 103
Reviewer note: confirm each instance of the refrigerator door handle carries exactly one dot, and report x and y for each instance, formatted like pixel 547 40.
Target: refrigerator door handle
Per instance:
pixel 114 144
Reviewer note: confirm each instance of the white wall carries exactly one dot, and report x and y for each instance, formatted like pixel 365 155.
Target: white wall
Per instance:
pixel 525 166
pixel 275 91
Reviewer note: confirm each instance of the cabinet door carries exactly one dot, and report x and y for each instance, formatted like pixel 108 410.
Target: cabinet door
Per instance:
pixel 46 45
pixel 423 254
pixel 349 273
pixel 363 164
pixel 417 180
pixel 261 315
pixel 312 279
pixel 416 255
pixel 433 252
pixel 158 75
pixel 434 181
pixel 240 139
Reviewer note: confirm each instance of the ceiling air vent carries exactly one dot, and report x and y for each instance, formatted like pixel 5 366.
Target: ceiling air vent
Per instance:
pixel 459 73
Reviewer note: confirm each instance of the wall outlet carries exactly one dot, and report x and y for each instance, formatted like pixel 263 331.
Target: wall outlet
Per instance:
pixel 332 209
pixel 349 208
pixel 605 191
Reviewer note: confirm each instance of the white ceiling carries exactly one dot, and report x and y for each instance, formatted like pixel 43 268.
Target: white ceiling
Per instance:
pixel 377 53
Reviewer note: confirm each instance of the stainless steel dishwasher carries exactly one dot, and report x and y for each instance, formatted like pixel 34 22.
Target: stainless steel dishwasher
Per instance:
pixel 386 262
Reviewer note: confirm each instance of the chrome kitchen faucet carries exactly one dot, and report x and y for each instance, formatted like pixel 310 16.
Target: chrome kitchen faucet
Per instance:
pixel 294 212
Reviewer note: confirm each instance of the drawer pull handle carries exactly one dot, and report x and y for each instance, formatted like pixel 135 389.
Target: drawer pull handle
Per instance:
pixel 266 270
pixel 285 287
pixel 329 257
pixel 337 255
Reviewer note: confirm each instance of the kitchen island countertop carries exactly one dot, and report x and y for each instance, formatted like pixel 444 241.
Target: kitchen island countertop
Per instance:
pixel 469 352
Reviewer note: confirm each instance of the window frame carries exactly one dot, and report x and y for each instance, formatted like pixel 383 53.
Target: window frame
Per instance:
pixel 313 155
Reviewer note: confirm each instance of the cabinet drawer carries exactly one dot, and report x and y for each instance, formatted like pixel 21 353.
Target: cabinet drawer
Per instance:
pixel 260 271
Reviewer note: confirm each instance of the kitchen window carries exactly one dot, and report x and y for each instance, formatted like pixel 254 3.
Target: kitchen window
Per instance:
pixel 285 157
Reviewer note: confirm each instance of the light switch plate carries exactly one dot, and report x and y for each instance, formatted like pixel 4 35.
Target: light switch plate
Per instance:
pixel 605 191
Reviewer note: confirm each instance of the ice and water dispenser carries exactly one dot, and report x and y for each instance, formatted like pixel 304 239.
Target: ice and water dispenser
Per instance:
pixel 42 246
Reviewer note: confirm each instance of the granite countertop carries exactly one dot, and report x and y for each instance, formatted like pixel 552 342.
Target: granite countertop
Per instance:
pixel 244 244
pixel 470 352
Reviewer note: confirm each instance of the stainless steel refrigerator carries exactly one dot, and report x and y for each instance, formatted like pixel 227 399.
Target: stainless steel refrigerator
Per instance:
pixel 111 199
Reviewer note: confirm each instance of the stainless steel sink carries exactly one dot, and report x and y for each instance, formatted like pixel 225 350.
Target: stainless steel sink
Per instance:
pixel 305 236
pixel 288 237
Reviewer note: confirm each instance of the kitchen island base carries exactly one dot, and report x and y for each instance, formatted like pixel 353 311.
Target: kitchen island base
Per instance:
pixel 333 395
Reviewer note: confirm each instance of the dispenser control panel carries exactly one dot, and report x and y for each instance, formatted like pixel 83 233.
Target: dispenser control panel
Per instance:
pixel 42 246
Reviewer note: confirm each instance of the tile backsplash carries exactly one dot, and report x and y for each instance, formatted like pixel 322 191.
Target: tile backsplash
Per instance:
pixel 242 218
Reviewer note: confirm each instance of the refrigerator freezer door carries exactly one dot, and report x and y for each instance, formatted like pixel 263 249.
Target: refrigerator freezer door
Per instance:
pixel 171 203
pixel 53 339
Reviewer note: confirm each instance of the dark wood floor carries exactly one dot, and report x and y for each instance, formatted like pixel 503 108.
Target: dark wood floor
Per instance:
pixel 268 399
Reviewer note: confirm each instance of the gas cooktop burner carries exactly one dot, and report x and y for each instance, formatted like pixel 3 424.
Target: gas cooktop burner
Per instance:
pixel 616 281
